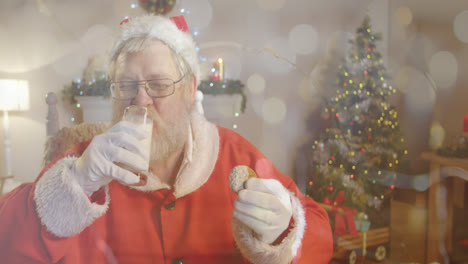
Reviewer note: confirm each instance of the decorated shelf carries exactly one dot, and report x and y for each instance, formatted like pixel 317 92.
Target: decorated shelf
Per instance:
pixel 224 89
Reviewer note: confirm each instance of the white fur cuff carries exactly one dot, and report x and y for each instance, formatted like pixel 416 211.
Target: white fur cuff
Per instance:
pixel 61 203
pixel 259 252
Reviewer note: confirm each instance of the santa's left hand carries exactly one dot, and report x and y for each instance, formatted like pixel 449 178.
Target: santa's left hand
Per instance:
pixel 265 207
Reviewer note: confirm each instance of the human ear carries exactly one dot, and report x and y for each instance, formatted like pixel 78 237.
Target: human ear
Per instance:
pixel 193 88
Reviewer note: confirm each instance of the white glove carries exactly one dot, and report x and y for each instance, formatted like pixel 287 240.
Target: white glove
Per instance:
pixel 265 207
pixel 121 143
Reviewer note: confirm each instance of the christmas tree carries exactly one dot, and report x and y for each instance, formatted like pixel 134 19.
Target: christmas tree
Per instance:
pixel 362 147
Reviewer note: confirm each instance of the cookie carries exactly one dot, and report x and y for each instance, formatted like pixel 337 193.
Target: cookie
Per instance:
pixel 240 174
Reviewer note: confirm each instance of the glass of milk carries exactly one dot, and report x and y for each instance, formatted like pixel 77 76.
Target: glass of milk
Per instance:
pixel 138 115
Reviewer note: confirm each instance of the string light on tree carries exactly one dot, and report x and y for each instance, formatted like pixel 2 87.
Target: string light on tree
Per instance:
pixel 362 122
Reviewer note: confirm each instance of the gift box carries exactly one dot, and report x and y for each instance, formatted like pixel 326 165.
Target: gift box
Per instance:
pixel 362 225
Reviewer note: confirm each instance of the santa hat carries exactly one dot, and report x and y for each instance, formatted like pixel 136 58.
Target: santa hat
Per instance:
pixel 173 32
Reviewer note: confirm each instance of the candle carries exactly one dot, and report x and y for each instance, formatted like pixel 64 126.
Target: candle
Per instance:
pixel 465 123
pixel 215 77
pixel 221 69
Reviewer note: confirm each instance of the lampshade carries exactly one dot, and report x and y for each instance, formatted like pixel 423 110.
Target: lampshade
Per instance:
pixel 14 95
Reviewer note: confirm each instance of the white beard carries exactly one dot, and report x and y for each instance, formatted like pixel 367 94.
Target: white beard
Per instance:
pixel 168 137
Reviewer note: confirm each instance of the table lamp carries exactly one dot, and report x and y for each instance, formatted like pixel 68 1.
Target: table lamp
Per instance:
pixel 14 96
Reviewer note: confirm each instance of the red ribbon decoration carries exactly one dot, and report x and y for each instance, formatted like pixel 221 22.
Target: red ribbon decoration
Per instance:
pixel 464 242
pixel 465 123
pixel 342 220
pixel 179 21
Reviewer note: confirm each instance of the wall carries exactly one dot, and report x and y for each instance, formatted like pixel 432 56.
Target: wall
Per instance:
pixel 421 104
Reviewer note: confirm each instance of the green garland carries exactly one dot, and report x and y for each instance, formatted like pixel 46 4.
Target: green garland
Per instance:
pixel 458 149
pixel 100 87
pixel 224 87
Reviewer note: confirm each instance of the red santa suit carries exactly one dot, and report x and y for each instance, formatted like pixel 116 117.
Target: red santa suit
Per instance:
pixel 53 221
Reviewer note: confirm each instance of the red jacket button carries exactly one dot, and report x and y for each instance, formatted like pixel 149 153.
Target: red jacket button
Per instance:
pixel 170 205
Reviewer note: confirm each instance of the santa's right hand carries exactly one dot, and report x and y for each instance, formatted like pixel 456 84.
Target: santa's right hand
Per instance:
pixel 123 144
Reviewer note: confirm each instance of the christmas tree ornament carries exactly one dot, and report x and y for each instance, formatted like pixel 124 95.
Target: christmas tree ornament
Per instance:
pixel 157 7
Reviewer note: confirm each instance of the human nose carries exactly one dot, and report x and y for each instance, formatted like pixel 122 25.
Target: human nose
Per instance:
pixel 142 98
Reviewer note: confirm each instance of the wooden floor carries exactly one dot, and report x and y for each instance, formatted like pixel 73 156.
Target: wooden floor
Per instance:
pixel 362 260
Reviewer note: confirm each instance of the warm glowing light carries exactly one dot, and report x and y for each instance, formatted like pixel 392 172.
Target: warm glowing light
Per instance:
pixel 201 13
pixel 256 83
pixel 303 39
pixel 274 110
pixel 443 68
pixel 460 24
pixel 436 135
pixel 14 95
pixel 220 65
pixel 404 15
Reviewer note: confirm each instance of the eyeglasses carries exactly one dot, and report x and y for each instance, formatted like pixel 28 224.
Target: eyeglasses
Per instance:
pixel 156 88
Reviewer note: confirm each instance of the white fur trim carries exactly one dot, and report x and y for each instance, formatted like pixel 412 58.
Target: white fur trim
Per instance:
pixel 204 156
pixel 163 29
pixel 205 149
pixel 61 203
pixel 259 252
